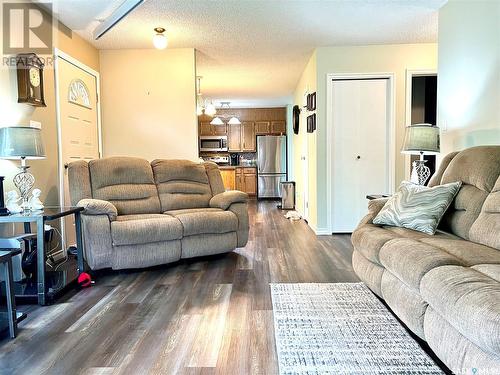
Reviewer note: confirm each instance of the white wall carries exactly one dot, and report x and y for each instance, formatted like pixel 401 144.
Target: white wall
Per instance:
pixel 469 74
pixel 149 103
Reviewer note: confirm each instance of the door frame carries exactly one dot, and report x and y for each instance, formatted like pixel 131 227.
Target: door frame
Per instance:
pixel 330 77
pixel 410 73
pixel 58 54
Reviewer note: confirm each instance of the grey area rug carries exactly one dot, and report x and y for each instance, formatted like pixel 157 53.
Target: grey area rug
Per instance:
pixel 341 329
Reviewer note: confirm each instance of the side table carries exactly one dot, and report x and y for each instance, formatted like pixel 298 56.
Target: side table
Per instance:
pixel 13 317
pixel 40 218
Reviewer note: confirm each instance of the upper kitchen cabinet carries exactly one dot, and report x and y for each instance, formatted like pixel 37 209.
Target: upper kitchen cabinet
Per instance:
pixel 278 127
pixel 207 129
pixel 262 127
pixel 248 136
pixel 241 138
pixel 234 138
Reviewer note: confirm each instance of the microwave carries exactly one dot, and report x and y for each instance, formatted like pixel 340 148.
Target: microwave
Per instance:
pixel 213 143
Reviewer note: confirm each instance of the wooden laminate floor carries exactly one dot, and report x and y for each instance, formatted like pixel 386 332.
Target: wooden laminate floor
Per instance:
pixel 202 316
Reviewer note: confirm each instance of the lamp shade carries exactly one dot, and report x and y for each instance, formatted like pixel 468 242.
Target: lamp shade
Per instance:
pixel 421 138
pixel 217 121
pixel 234 121
pixel 21 142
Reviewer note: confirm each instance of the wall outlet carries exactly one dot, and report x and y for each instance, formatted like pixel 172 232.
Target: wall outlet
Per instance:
pixel 35 124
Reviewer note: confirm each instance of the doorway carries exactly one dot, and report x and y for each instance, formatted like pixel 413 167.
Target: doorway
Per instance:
pixel 421 107
pixel 78 125
pixel 360 141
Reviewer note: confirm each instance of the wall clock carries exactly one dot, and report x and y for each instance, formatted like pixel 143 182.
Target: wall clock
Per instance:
pixel 296 119
pixel 30 80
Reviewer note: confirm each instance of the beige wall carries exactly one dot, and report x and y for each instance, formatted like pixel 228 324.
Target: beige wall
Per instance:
pixel 12 113
pixel 469 74
pixel 356 59
pixel 148 101
pixel 304 145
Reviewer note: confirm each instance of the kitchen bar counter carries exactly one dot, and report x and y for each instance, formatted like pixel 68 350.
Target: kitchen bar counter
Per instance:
pixel 232 167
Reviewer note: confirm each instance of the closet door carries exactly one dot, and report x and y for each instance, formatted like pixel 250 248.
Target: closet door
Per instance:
pixel 360 112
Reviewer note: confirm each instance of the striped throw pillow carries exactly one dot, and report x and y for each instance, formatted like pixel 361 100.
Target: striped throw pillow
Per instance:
pixel 418 207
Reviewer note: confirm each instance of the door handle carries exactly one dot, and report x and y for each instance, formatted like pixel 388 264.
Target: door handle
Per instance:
pixel 358 157
pixel 66 165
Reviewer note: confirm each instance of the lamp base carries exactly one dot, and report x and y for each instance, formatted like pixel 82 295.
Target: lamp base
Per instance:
pixel 24 182
pixel 420 172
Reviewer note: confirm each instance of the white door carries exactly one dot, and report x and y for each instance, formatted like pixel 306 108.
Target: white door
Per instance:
pixel 79 139
pixel 361 133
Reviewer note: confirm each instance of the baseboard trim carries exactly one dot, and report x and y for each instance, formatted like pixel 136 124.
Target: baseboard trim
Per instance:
pixel 320 231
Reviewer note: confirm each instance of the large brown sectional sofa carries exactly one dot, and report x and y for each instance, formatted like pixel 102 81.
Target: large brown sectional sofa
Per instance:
pixel 446 287
pixel 141 214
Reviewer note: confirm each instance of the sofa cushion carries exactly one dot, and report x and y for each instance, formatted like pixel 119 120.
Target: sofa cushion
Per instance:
pixel 145 228
pixel 199 222
pixel 126 182
pixel 409 260
pixel 417 207
pixel 486 228
pixel 469 300
pixel 478 168
pixel 181 184
pixel 191 210
pixel 469 253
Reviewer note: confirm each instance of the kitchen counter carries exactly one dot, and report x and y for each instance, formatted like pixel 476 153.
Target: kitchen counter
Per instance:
pixel 231 167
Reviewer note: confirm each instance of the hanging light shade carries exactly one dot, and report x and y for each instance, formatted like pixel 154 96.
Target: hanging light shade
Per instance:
pixel 234 121
pixel 210 109
pixel 160 40
pixel 216 121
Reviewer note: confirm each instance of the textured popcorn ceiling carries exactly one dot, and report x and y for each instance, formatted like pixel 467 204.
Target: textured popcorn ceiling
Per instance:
pixel 253 52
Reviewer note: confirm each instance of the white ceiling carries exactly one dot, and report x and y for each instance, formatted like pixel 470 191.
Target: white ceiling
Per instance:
pixel 253 52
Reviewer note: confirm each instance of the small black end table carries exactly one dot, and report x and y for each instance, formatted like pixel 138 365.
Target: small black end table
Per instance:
pixel 13 317
pixel 40 218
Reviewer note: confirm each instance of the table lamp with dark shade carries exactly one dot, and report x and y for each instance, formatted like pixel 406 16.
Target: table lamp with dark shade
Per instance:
pixel 20 142
pixel 421 139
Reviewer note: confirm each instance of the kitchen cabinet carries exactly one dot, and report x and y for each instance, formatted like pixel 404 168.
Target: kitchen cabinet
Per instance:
pixel 248 136
pixel 246 180
pixel 241 138
pixel 278 127
pixel 234 138
pixel 228 178
pixel 206 129
pixel 262 127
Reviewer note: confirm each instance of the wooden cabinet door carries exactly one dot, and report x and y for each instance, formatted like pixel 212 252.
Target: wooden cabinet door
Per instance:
pixel 228 178
pixel 219 129
pixel 262 127
pixel 240 183
pixel 278 127
pixel 205 128
pixel 234 137
pixel 248 136
pixel 250 184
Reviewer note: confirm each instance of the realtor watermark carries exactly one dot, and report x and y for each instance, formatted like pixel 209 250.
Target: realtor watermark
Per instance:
pixel 27 28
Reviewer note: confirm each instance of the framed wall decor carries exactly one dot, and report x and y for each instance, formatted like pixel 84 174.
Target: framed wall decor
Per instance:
pixel 311 123
pixel 296 119
pixel 311 101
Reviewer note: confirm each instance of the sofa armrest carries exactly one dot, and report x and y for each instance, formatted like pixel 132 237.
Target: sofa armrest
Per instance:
pixel 374 207
pixel 227 198
pixel 98 207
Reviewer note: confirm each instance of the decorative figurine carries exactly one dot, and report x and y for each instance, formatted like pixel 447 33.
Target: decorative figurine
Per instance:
pixel 12 202
pixel 35 203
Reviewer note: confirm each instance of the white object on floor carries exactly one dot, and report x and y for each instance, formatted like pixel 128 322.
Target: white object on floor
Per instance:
pixel 341 328
pixel 293 215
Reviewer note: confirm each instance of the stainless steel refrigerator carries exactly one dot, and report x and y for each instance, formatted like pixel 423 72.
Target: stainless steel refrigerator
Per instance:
pixel 271 165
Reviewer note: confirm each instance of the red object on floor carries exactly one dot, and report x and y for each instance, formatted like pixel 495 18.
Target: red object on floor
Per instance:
pixel 84 280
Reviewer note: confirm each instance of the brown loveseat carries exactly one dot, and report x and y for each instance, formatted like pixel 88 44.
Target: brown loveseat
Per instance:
pixel 446 287
pixel 140 214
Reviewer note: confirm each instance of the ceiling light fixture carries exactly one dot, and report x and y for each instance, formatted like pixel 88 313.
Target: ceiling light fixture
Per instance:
pixel 216 121
pixel 233 120
pixel 160 40
pixel 203 106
